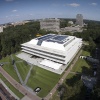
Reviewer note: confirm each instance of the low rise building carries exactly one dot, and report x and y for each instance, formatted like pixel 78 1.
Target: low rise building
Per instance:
pixel 71 29
pixel 1 29
pixel 20 23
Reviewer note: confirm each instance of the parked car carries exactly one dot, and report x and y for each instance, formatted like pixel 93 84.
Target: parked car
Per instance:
pixel 37 89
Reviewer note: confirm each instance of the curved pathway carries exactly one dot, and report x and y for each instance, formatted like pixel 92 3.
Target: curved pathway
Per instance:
pixel 63 77
pixel 28 75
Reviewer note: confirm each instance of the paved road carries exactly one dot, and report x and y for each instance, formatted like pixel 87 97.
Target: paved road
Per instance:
pixel 63 77
pixel 18 61
pixel 28 75
pixel 5 62
pixel 7 88
pixel 18 86
pixel 18 74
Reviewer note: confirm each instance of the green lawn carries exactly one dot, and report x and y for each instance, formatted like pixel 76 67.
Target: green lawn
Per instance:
pixel 74 90
pixel 10 70
pixel 15 57
pixel 23 69
pixel 14 90
pixel 6 59
pixel 85 53
pixel 42 78
pixel 73 82
pixel 55 96
pixel 82 65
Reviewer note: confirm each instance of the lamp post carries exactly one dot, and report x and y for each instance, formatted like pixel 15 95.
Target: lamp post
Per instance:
pixel 51 95
pixel 62 80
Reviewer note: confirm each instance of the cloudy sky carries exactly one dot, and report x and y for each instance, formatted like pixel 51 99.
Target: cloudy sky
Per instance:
pixel 17 10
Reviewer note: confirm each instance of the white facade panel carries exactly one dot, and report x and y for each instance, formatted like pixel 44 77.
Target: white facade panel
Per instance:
pixel 45 53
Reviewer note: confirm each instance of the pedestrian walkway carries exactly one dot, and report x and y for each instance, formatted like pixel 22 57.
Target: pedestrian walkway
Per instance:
pixel 63 77
pixel 18 86
pixel 28 75
pixel 21 81
pixel 18 74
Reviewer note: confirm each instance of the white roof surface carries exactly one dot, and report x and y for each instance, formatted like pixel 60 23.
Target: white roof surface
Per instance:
pixel 50 64
pixel 52 42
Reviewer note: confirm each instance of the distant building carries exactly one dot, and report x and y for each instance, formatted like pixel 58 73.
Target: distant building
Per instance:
pixel 20 23
pixel 50 24
pixel 70 22
pixel 71 29
pixel 1 29
pixel 79 19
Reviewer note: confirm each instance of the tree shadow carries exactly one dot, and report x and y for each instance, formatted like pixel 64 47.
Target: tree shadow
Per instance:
pixel 86 71
pixel 80 95
pixel 76 88
pixel 73 80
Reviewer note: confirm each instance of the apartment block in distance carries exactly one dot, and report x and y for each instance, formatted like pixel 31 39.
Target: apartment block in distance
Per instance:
pixel 50 24
pixel 79 19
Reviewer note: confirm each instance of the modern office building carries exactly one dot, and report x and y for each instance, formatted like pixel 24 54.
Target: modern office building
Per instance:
pixel 50 24
pixel 55 50
pixel 79 19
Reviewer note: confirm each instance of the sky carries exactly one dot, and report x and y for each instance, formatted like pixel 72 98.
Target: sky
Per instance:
pixel 18 10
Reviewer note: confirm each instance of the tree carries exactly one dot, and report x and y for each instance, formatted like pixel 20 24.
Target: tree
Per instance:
pixel 92 45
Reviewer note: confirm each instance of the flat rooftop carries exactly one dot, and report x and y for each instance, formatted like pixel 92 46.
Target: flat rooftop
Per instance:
pixel 52 41
pixel 53 38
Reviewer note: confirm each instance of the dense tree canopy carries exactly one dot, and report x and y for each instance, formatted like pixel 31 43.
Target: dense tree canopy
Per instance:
pixel 91 34
pixel 12 37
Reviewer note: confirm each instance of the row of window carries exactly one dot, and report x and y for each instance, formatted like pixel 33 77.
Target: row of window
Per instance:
pixel 46 52
pixel 44 55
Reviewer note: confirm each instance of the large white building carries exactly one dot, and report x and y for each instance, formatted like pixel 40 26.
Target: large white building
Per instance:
pixel 50 24
pixel 55 50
